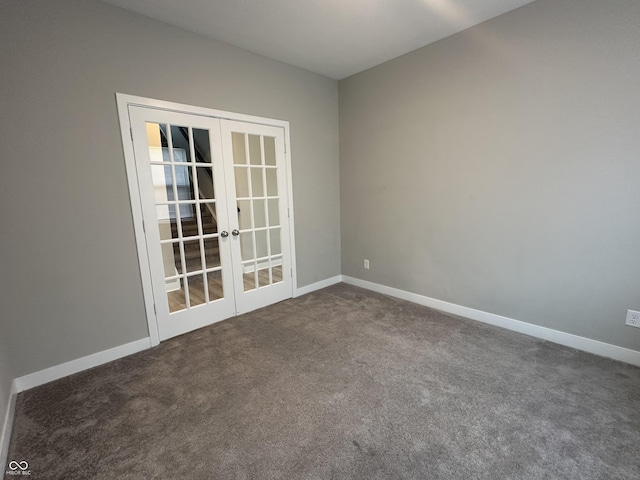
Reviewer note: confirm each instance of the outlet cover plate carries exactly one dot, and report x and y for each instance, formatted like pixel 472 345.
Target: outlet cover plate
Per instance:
pixel 633 318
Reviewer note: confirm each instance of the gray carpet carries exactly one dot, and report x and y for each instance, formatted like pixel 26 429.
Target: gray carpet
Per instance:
pixel 338 384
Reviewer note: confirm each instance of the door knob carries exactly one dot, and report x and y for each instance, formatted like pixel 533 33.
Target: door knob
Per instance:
pixel 224 234
pixel 235 232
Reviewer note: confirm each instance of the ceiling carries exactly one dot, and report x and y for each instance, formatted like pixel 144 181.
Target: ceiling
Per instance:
pixel 334 38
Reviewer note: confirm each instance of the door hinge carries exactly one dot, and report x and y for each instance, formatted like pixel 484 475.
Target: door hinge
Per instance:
pixel 288 214
pixel 131 132
pixel 144 230
pixel 154 310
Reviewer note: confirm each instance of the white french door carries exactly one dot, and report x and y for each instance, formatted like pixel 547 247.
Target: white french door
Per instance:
pixel 258 213
pixel 214 203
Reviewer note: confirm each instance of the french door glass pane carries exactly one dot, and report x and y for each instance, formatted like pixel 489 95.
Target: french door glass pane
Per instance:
pixel 272 182
pixel 201 145
pixel 178 248
pixel 192 256
pixel 188 219
pixel 276 273
pixel 246 246
pixel 242 183
pixel 259 215
pixel 256 181
pixel 274 212
pixel 255 154
pixel 205 183
pixel 214 281
pixel 262 247
pixel 184 194
pixel 211 252
pixel 184 184
pixel 162 179
pixel 244 214
pixel 263 277
pixel 175 296
pixel 257 184
pixel 197 295
pixel 167 226
pixel 249 278
pixel 274 234
pixel 181 144
pixel 269 151
pixel 171 259
pixel 208 218
pixel 239 148
pixel 156 141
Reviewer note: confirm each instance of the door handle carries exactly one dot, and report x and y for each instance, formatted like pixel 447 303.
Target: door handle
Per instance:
pixel 224 234
pixel 235 232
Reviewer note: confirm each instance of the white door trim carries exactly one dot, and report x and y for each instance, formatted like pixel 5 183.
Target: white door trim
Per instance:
pixel 123 102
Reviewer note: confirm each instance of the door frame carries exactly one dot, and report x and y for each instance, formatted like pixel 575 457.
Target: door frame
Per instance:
pixel 123 102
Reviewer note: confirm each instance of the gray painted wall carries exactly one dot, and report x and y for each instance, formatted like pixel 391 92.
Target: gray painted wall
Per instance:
pixel 72 282
pixel 499 168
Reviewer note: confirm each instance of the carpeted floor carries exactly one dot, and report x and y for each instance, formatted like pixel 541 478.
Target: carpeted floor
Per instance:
pixel 338 384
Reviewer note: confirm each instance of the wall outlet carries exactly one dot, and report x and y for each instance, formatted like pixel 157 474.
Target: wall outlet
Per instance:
pixel 633 318
pixel 366 264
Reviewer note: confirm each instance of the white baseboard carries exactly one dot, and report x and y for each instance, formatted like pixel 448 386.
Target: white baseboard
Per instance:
pixel 7 426
pixel 626 355
pixel 74 366
pixel 318 285
pixel 567 339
